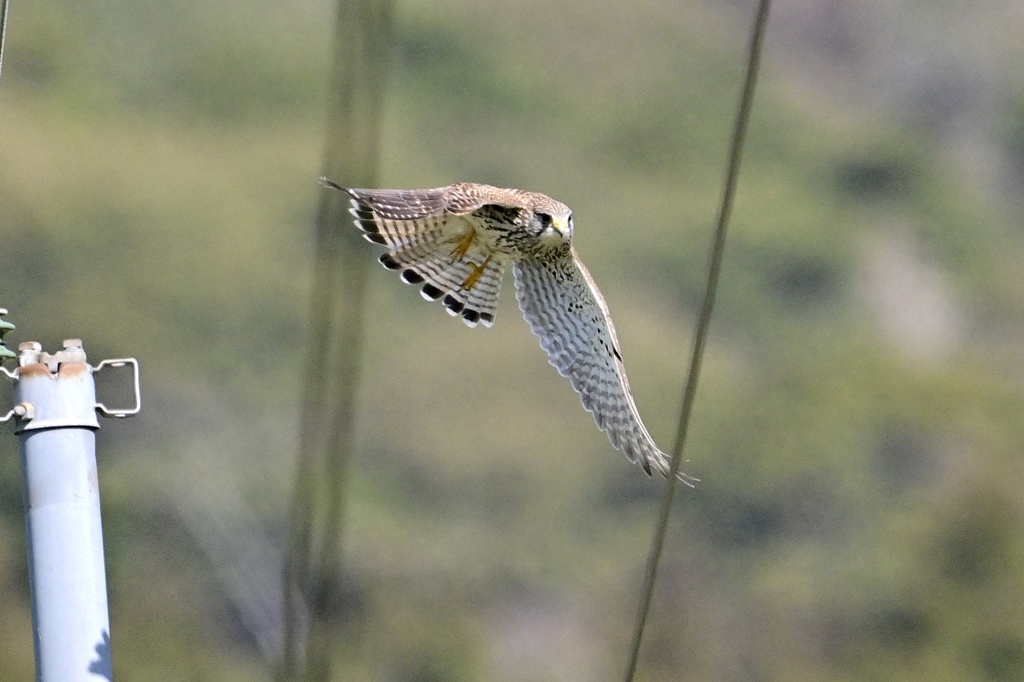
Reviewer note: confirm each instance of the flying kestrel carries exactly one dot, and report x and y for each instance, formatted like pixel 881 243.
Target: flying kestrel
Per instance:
pixel 455 241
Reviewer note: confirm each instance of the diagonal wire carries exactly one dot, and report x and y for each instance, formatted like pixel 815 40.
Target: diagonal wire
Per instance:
pixel 3 32
pixel 311 571
pixel 703 326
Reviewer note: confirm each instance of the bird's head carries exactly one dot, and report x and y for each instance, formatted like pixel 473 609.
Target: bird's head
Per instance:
pixel 553 222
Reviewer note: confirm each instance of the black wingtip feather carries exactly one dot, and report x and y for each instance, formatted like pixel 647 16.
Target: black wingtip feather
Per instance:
pixel 453 304
pixel 364 217
pixel 410 276
pixel 366 223
pixel 432 292
pixel 388 261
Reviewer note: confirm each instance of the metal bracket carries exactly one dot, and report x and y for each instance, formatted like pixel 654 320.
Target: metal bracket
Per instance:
pixel 22 410
pixel 14 411
pixel 121 362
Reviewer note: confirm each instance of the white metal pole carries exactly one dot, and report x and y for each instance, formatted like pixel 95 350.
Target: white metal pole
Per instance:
pixel 55 402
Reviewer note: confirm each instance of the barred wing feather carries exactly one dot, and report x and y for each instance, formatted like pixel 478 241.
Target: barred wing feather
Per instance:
pixel 566 311
pixel 420 227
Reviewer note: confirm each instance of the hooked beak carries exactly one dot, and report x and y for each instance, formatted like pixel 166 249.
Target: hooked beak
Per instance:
pixel 560 225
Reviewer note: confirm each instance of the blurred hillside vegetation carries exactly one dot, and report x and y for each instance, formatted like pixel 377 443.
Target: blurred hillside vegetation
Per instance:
pixel 859 426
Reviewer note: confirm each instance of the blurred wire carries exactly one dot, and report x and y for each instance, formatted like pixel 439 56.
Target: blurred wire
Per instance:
pixel 236 543
pixel 3 32
pixel 312 572
pixel 703 326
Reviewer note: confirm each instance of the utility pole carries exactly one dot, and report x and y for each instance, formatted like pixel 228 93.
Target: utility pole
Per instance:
pixel 55 415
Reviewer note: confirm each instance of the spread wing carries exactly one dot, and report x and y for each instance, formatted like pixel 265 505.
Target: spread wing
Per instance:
pixel 565 309
pixel 421 229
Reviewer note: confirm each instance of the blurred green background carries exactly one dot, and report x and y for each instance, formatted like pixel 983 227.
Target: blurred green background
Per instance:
pixel 859 425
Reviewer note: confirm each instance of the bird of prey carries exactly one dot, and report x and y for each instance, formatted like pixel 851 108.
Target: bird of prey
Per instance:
pixel 455 242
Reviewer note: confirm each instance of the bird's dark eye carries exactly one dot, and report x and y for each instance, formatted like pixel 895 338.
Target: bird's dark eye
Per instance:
pixel 545 219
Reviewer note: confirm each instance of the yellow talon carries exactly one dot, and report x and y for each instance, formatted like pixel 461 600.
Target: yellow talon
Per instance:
pixel 476 274
pixel 459 252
